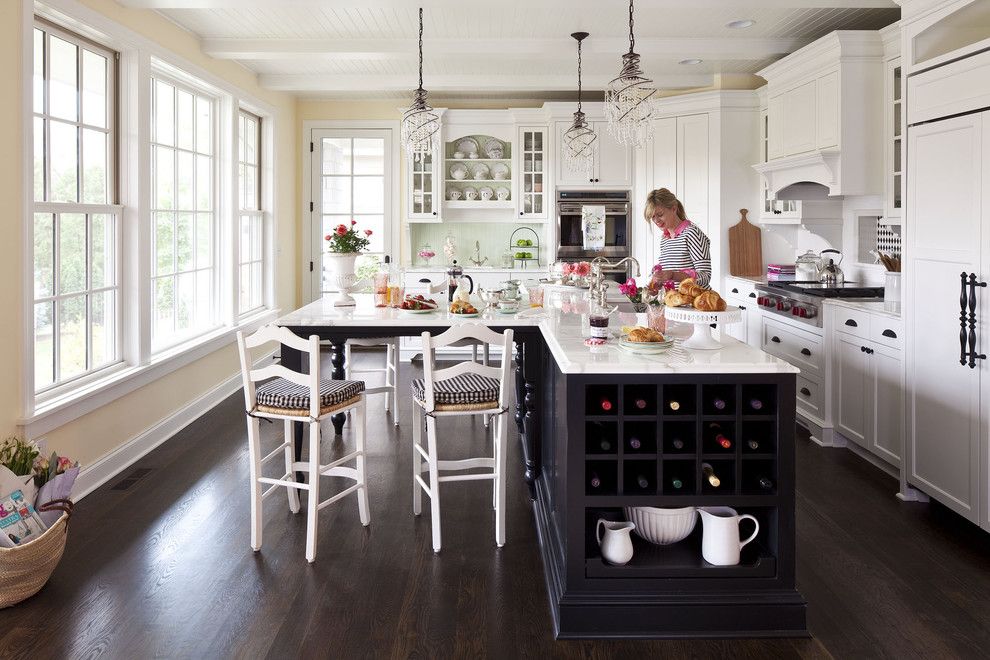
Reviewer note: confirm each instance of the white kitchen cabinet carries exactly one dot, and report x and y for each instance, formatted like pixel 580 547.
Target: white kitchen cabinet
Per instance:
pixel 532 186
pixel 613 162
pixel 798 119
pixel 888 398
pixel 849 400
pixel 742 294
pixel 775 126
pixel 947 215
pixel 424 188
pixel 692 168
pixel 893 140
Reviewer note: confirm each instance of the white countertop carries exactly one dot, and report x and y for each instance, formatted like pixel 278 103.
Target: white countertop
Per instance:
pixel 470 268
pixel 883 308
pixel 563 324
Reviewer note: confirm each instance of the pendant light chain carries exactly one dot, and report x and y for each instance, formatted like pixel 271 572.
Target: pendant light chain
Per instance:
pixel 632 36
pixel 580 140
pixel 579 75
pixel 629 98
pixel 421 48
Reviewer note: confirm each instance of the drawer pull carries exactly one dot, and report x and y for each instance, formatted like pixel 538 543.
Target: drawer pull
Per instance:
pixel 752 295
pixel 735 290
pixel 851 323
pixel 775 339
pixel 742 307
pixel 424 280
pixel 805 391
pixel 889 333
pixel 805 351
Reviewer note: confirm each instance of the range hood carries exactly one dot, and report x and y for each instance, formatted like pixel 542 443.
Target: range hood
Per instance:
pixel 813 175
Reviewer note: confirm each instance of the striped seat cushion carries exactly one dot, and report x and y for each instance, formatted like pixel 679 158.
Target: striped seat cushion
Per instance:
pixel 282 393
pixel 465 388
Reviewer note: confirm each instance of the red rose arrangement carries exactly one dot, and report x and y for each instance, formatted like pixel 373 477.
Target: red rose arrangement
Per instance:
pixel 346 239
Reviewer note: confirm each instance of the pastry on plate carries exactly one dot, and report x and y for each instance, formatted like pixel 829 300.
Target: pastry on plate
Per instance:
pixel 709 301
pixel 643 335
pixel 675 298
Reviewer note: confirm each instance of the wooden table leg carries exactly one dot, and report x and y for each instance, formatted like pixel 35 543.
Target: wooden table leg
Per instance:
pixel 291 358
pixel 337 357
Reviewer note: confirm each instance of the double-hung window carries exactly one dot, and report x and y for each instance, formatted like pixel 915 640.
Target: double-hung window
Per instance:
pixel 251 218
pixel 76 221
pixel 183 213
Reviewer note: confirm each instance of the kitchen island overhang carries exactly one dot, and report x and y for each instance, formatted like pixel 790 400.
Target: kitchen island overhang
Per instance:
pixel 664 591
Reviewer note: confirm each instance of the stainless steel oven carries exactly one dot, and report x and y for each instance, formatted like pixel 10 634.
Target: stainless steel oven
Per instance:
pixel 570 234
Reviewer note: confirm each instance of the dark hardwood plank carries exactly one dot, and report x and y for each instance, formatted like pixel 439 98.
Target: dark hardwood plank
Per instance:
pixel 165 568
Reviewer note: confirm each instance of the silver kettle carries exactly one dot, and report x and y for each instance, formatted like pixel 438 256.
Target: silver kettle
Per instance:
pixel 831 275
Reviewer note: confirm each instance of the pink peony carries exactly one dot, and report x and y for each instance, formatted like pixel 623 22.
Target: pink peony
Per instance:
pixel 567 268
pixel 328 237
pixel 64 463
pixel 670 285
pixel 341 230
pixel 367 232
pixel 582 269
pixel 353 222
pixel 629 288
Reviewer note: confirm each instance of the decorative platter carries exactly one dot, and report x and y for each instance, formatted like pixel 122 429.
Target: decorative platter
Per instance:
pixel 468 146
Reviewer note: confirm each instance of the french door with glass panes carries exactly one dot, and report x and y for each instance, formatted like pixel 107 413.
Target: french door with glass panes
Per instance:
pixel 351 181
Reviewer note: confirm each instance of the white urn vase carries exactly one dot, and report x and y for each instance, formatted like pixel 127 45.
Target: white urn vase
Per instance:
pixel 342 276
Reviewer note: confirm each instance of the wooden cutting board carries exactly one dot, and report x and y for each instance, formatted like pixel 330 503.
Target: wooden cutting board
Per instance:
pixel 745 248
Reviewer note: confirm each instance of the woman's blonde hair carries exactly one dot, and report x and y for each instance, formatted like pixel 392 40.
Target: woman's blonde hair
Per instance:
pixel 666 199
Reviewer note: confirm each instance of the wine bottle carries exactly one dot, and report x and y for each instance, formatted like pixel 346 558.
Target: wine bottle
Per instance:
pixel 606 403
pixel 642 482
pixel 755 404
pixel 634 443
pixel 753 444
pixel 719 403
pixel 605 445
pixel 709 473
pixel 677 443
pixel 595 481
pixel 676 483
pixel 640 403
pixel 765 483
pixel 674 405
pixel 723 441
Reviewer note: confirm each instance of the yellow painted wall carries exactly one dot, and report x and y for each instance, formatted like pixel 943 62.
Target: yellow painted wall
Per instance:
pixel 103 430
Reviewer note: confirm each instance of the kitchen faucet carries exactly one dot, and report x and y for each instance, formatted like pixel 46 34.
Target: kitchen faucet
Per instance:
pixel 599 286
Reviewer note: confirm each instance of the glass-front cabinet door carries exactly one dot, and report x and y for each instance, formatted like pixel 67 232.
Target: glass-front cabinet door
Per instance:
pixel 531 165
pixel 424 192
pixel 894 150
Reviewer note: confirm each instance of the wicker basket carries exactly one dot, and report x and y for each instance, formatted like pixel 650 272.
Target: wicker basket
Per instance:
pixel 24 570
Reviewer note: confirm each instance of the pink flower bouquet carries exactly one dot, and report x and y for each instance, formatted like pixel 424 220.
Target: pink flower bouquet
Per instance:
pixel 54 478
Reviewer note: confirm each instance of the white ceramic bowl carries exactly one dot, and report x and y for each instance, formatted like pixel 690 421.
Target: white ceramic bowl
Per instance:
pixel 662 526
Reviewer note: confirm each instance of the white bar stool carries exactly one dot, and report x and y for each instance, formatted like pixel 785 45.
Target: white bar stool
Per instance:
pixel 467 388
pixel 292 396
pixel 391 370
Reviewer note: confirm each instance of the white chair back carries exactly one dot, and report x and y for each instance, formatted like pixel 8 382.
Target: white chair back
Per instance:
pixel 459 333
pixel 273 333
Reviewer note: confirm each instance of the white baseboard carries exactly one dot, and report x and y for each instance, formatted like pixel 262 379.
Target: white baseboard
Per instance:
pixel 110 465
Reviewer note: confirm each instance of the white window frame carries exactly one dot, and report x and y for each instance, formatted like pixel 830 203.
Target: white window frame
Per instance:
pixel 257 213
pixel 310 278
pixel 139 56
pixel 108 208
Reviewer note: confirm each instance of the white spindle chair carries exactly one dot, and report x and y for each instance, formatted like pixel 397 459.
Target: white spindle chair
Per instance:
pixel 467 388
pixel 292 397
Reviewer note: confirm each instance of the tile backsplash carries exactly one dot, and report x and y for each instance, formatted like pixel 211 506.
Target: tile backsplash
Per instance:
pixel 493 239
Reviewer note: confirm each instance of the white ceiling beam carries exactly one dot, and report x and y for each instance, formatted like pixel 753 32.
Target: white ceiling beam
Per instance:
pixel 739 48
pixel 460 83
pixel 459 5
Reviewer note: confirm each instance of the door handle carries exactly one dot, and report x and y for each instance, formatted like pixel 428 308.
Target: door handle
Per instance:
pixel 851 323
pixel 775 339
pixel 962 319
pixel 973 356
pixel 805 351
pixel 805 391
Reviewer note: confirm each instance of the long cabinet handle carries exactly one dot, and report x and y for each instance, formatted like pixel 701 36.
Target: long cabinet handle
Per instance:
pixel 962 319
pixel 973 355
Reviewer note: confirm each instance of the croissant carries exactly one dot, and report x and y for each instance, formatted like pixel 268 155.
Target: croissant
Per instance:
pixel 642 335
pixel 675 298
pixel 689 287
pixel 709 301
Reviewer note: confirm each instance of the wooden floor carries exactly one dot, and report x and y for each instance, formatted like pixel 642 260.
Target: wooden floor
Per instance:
pixel 164 567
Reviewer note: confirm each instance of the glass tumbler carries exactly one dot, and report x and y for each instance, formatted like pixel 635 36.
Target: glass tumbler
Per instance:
pixel 535 295
pixel 381 289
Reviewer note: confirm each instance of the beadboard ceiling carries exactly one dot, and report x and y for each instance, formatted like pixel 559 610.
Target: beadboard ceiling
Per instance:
pixel 508 48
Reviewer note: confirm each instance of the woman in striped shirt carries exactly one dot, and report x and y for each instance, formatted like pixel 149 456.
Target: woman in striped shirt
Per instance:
pixel 684 248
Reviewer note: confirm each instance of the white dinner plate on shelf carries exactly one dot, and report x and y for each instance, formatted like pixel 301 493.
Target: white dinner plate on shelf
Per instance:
pixel 458 171
pixel 480 172
pixel 500 171
pixel 468 146
pixel 494 148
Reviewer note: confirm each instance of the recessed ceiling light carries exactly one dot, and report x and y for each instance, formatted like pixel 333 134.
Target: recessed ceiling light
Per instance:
pixel 741 24
pixel 691 60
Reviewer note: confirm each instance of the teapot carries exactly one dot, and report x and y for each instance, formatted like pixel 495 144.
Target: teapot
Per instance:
pixel 808 267
pixel 831 275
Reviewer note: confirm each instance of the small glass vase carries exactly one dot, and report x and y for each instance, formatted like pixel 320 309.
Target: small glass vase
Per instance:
pixel 656 319
pixel 640 307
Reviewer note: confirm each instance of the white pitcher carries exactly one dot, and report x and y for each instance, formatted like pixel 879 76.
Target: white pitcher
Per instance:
pixel 720 543
pixel 617 546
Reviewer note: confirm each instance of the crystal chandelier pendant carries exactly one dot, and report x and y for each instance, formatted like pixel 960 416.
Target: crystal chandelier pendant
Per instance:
pixel 580 140
pixel 420 125
pixel 629 99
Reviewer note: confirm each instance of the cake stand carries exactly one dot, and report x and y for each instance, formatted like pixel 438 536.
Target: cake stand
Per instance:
pixel 702 337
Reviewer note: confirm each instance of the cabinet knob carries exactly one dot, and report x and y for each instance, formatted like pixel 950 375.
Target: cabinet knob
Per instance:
pixel 735 290
pixel 805 351
pixel 775 339
pixel 851 323
pixel 434 213
pixel 752 295
pixel 743 308
pixel 805 391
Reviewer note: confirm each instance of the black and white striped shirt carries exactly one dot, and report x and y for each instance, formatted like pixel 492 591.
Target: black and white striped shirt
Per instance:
pixel 687 249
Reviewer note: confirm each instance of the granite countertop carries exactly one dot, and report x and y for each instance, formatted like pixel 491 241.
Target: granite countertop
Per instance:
pixel 884 308
pixel 563 324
